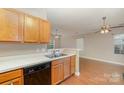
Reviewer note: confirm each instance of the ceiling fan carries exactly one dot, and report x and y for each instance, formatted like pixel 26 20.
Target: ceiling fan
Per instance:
pixel 107 28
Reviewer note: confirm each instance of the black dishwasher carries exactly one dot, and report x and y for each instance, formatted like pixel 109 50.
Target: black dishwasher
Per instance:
pixel 38 74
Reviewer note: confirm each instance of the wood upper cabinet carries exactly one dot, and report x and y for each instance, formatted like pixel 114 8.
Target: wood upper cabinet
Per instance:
pixel 31 29
pixel 10 25
pixel 17 26
pixel 72 62
pixel 45 31
pixel 66 67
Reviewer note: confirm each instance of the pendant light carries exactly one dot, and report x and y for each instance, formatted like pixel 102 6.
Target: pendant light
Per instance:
pixel 56 34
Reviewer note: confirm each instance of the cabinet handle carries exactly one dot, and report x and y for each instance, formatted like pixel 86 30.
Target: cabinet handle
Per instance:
pixel 11 83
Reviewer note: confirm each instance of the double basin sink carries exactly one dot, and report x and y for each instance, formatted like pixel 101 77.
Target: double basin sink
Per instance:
pixel 55 56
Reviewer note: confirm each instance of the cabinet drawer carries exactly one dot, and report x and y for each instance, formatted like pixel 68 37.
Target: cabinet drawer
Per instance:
pixel 67 59
pixel 56 62
pixel 10 75
pixel 17 81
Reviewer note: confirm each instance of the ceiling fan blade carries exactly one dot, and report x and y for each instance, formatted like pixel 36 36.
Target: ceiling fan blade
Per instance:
pixel 122 24
pixel 116 26
pixel 97 32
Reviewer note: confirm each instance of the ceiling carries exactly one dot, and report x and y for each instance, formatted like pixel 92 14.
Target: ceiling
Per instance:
pixel 72 21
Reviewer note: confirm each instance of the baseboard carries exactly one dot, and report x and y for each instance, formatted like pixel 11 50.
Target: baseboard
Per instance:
pixel 101 60
pixel 77 73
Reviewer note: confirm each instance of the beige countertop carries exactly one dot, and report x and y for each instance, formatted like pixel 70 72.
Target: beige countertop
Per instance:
pixel 21 61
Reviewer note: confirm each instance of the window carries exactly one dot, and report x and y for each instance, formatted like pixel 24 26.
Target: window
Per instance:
pixel 119 44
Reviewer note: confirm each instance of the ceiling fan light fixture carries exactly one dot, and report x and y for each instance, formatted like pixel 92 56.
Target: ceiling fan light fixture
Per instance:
pixel 105 28
pixel 102 32
pixel 106 31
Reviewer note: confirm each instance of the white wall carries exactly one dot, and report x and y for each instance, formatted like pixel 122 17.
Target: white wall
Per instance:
pixel 101 47
pixel 96 46
pixel 68 42
pixel 10 49
pixel 80 43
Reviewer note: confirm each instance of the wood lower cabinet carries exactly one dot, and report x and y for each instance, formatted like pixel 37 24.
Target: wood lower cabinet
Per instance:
pixel 72 64
pixel 57 73
pixel 11 25
pixel 12 77
pixel 31 29
pixel 62 69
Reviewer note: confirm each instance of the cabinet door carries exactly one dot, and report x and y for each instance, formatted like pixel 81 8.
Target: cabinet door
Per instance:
pixel 73 60
pixel 66 67
pixel 11 25
pixel 17 81
pixel 61 72
pixel 31 29
pixel 57 73
pixel 44 31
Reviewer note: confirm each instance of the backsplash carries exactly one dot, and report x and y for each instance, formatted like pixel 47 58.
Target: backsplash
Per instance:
pixel 7 49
